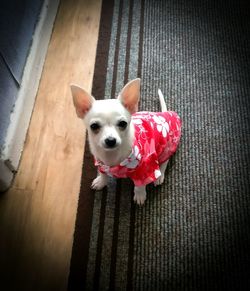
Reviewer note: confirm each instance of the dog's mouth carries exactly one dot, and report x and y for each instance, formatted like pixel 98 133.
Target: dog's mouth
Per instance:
pixel 108 149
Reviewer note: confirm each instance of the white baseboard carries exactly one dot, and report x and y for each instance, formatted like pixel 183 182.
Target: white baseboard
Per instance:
pixel 20 117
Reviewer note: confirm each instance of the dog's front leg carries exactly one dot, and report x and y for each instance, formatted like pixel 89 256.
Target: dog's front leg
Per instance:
pixel 100 181
pixel 140 195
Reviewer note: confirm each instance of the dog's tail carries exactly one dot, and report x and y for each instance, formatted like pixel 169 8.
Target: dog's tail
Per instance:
pixel 162 101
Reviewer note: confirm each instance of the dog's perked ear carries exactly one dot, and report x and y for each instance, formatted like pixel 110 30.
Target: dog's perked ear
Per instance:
pixel 82 100
pixel 130 95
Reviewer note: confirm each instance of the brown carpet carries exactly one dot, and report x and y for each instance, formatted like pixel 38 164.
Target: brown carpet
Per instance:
pixel 193 232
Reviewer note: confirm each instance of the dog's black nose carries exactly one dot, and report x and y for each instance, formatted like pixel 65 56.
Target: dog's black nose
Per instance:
pixel 110 142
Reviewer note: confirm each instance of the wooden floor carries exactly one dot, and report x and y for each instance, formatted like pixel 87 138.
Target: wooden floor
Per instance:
pixel 37 214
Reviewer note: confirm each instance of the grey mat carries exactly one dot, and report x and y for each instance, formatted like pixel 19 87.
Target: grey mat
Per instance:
pixel 193 232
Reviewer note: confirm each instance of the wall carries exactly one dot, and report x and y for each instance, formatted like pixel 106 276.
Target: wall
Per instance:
pixel 17 24
pixel 25 31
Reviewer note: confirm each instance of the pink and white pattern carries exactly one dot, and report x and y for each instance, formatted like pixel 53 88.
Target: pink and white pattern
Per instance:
pixel 157 138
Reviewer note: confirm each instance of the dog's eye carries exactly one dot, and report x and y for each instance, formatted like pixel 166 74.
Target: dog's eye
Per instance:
pixel 95 126
pixel 122 124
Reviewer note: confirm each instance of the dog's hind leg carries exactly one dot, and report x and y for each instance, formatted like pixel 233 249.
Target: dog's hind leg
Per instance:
pixel 160 180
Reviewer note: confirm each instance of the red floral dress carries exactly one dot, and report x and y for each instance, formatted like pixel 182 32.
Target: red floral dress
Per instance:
pixel 157 135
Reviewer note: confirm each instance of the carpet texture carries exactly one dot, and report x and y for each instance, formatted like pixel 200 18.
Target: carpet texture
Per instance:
pixel 193 233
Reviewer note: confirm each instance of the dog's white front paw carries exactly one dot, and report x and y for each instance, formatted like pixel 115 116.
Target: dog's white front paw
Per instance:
pixel 140 195
pixel 100 182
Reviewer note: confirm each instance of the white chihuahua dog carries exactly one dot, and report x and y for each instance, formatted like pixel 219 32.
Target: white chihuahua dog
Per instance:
pixel 127 143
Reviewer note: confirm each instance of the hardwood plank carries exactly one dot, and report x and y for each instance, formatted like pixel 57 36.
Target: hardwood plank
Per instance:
pixel 37 214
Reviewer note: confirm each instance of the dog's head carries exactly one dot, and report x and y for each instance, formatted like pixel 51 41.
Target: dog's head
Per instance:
pixel 107 121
